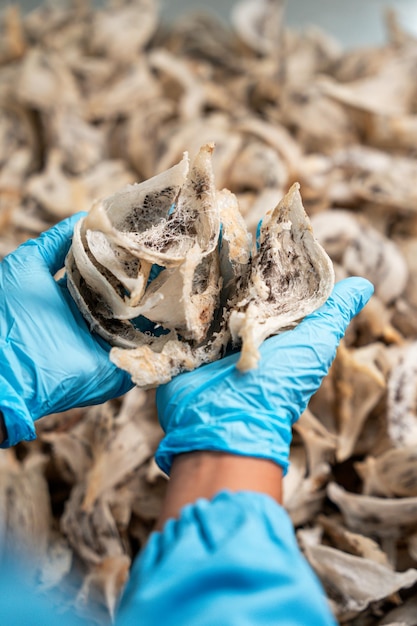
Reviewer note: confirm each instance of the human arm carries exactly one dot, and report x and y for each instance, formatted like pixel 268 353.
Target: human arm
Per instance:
pixel 204 473
pixel 49 359
pixel 229 556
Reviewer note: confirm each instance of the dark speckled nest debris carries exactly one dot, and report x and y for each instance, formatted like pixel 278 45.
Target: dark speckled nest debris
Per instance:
pixel 91 102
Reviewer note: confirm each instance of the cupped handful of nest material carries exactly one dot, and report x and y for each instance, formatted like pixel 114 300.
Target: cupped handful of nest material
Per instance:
pixel 165 271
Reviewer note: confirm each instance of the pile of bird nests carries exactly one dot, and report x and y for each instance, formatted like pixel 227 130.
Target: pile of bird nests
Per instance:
pixel 94 100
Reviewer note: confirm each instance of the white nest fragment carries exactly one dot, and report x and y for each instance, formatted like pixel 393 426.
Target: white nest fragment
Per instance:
pixel 369 515
pixel 304 492
pixel 359 387
pixel 363 251
pixel 392 474
pixel 401 404
pixel 352 582
pixel 291 276
pixel 259 23
pixel 207 289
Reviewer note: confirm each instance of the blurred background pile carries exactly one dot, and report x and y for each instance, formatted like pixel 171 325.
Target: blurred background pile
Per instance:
pixel 95 96
pixel 354 23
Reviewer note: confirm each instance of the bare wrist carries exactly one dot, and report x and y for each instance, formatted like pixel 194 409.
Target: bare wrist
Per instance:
pixel 202 474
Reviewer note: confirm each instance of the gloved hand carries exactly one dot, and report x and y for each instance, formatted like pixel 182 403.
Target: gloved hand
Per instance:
pixel 49 360
pixel 217 407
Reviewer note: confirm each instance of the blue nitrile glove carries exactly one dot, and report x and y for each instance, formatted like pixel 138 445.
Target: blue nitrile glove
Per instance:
pixel 49 360
pixel 232 560
pixel 217 407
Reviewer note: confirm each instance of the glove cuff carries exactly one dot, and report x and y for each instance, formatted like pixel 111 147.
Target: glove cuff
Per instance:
pixel 243 438
pixel 17 420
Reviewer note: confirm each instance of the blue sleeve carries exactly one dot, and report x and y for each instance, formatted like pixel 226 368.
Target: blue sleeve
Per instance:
pixel 21 604
pixel 233 560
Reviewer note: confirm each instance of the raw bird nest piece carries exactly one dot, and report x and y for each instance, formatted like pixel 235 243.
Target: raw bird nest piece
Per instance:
pixel 209 289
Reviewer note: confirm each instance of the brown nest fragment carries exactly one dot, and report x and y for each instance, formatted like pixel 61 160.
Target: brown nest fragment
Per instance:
pixel 97 105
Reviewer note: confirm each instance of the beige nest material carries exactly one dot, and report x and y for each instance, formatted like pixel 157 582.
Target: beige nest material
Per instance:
pixel 208 291
pixel 94 100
